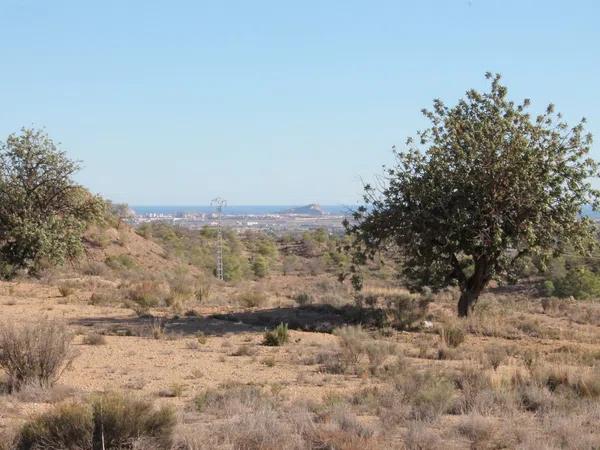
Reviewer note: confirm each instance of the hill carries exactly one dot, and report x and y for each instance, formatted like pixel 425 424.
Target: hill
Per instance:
pixel 309 210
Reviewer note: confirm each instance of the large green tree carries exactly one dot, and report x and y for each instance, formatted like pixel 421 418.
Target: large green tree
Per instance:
pixel 483 187
pixel 43 212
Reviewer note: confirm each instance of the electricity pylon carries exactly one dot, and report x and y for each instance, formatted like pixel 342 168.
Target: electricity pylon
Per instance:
pixel 219 203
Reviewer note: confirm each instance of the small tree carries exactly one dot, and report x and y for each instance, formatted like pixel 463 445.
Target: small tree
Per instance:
pixel 483 187
pixel 43 212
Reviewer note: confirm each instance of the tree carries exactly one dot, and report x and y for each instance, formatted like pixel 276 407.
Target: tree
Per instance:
pixel 260 266
pixel 121 211
pixel 43 212
pixel 485 186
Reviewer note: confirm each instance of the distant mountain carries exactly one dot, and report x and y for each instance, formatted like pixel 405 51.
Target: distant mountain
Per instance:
pixel 309 210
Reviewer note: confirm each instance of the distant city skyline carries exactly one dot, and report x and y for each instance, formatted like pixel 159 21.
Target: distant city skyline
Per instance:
pixel 268 102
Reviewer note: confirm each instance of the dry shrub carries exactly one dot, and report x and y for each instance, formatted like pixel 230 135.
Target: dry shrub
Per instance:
pixel 534 398
pixel 156 329
pixel 582 382
pixel 354 343
pixel 303 299
pixel 253 420
pixel 489 318
pixel 68 426
pixel 182 288
pixel 494 355
pixel 111 421
pixel 174 390
pixel 244 350
pixel 203 288
pixel 66 289
pixel 252 298
pixel 405 311
pixel 147 293
pixel 34 353
pixel 432 396
pixel 94 339
pixel 481 431
pixel 104 297
pixel 351 342
pixel 419 436
pixel 230 397
pixel 93 268
pixel 452 333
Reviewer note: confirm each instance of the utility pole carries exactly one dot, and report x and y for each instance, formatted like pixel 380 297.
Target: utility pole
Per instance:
pixel 219 203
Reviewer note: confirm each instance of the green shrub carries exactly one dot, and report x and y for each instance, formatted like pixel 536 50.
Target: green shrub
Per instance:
pixel 34 353
pixel 260 266
pixel 303 299
pixel 548 289
pixel 121 262
pixel 579 282
pixel 278 336
pixel 68 426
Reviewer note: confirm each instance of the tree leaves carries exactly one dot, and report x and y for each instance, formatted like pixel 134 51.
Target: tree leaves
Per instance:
pixel 484 186
pixel 43 213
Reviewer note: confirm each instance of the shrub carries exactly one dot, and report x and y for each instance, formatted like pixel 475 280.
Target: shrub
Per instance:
pixel 579 282
pixel 182 288
pixel 94 339
pixel 68 426
pixel 174 390
pixel 252 299
pixel 66 289
pixel 146 294
pixel 278 336
pixel 419 437
pixel 433 397
pixel 121 262
pixel 103 297
pixel 495 355
pixel 93 268
pixel 203 288
pixel 34 353
pixel 260 266
pixel 406 311
pixel 231 396
pixel 548 288
pixel 452 334
pixel 352 343
pixel 303 299
pixel 111 421
pixel 122 418
pixel 478 429
pixel 245 350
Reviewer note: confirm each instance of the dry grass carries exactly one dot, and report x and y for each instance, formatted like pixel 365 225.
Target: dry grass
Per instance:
pixel 34 353
pixel 516 374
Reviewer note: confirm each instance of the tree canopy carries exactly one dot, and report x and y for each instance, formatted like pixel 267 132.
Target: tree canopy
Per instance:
pixel 43 212
pixel 484 186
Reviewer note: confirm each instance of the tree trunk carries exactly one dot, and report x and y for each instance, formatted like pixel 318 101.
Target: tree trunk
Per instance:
pixel 473 287
pixel 466 302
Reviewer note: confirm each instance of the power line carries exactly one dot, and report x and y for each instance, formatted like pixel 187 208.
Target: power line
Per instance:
pixel 219 203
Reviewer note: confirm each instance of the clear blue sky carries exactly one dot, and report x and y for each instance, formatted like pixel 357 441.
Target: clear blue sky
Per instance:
pixel 272 102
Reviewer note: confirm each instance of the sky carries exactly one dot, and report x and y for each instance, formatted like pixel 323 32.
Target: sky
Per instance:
pixel 273 102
